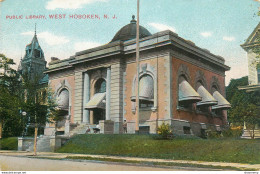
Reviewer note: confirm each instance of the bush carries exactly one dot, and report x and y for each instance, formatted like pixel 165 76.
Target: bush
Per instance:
pixel 165 131
pixel 9 143
pixel 233 132
pixel 213 134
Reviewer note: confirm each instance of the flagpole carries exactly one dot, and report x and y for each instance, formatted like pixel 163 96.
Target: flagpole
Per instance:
pixel 137 71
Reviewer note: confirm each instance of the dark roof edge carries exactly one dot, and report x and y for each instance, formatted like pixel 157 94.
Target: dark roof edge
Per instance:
pixel 172 35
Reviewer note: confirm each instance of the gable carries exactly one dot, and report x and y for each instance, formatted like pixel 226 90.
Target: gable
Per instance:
pixel 253 39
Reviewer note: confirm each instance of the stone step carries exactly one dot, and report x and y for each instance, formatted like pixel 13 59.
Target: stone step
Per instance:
pixel 246 134
pixel 43 144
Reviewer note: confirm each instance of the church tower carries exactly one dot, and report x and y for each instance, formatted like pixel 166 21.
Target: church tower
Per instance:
pixel 33 61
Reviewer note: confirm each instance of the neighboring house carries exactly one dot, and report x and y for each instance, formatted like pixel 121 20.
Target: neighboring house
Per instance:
pixel 180 84
pixel 252 42
pixel 253 70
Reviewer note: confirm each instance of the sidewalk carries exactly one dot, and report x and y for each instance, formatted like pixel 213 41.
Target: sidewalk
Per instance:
pixel 52 155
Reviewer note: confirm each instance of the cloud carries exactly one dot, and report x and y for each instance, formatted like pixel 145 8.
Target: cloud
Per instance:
pixel 161 27
pixel 230 39
pixel 206 34
pixel 80 46
pixel 69 4
pixel 49 38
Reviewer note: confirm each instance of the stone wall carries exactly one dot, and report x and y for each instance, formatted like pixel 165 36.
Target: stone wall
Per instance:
pixel 252 71
pixel 116 100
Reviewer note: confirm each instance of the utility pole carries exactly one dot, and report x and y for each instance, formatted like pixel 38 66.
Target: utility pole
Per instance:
pixel 137 71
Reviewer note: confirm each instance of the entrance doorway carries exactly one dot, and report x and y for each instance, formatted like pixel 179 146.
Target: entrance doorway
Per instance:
pixel 98 114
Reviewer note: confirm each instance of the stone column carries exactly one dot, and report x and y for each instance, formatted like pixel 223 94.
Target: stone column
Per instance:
pixel 168 86
pixel 116 103
pixel 108 93
pixel 86 97
pixel 78 100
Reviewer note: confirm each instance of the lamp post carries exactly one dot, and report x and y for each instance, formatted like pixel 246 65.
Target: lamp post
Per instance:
pixel 23 113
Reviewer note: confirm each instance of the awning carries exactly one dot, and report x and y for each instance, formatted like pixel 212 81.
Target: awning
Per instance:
pixel 207 98
pixel 96 101
pixel 222 102
pixel 187 93
pixel 63 99
pixel 146 91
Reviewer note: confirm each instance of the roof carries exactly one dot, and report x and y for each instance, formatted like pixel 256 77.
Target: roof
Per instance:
pixel 128 32
pixel 44 80
pixel 34 45
pixel 249 88
pixel 253 38
pixel 125 47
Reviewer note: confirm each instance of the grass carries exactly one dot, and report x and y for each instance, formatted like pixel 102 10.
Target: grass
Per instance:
pixel 9 143
pixel 216 150
pixel 158 163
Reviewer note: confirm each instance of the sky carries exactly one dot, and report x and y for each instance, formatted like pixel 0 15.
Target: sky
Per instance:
pixel 219 26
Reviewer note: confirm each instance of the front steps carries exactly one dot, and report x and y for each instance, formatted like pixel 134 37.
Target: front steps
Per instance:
pixel 246 134
pixel 82 129
pixel 43 144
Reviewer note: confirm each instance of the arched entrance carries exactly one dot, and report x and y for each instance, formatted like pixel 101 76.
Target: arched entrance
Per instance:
pixel 63 105
pixel 97 102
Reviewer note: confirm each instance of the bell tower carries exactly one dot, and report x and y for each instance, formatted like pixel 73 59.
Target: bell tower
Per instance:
pixel 33 63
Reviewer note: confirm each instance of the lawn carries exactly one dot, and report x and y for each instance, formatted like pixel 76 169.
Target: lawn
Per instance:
pixel 224 150
pixel 9 143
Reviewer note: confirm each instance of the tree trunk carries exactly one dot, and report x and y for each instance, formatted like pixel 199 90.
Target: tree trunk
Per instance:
pixel 1 128
pixel 35 140
pixel 253 136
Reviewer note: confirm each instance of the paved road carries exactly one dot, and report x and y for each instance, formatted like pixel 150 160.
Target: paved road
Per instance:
pixel 10 163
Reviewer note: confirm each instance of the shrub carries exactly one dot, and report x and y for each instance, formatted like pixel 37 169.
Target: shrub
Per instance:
pixel 233 132
pixel 9 143
pixel 213 134
pixel 164 131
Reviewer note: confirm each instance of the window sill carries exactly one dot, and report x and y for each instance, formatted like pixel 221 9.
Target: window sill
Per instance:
pixel 145 109
pixel 217 116
pixel 203 113
pixel 179 108
pixel 153 109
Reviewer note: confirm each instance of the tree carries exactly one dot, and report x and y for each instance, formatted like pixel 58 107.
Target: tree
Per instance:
pixel 39 104
pixel 236 97
pixel 245 105
pixel 9 100
pixel 250 115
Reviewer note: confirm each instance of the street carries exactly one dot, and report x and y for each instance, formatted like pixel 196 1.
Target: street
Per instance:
pixel 10 163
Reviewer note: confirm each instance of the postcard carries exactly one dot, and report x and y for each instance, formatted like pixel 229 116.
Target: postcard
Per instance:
pixel 129 85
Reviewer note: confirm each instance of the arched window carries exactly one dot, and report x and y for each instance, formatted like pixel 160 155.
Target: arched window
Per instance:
pixel 223 104
pixel 207 99
pixel 63 99
pixel 100 86
pixel 186 94
pixel 146 91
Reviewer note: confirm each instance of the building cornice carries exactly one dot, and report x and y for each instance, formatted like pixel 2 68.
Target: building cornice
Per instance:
pixel 160 39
